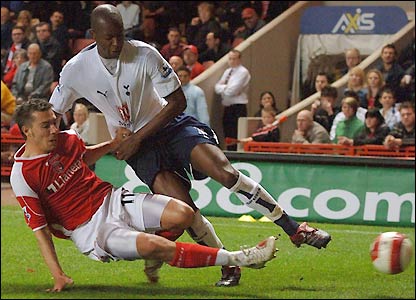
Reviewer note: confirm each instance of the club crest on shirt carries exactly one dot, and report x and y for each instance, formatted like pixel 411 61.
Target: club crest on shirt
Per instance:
pixel 124 113
pixel 56 165
pixel 165 70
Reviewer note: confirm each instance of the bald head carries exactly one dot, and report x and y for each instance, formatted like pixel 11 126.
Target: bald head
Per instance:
pixel 304 120
pixel 107 30
pixel 105 13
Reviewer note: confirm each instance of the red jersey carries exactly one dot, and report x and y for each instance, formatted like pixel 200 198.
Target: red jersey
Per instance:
pixel 58 189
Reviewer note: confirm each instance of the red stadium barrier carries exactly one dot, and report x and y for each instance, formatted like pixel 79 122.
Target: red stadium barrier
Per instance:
pixel 9 144
pixel 330 149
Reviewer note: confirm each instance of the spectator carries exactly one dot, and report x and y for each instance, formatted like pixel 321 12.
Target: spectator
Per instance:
pixel 156 20
pixel 407 54
pixel 352 59
pixel 82 124
pixel 375 84
pixel 268 132
pixel 60 32
pixel 272 9
pixel 50 47
pixel 33 78
pixel 315 83
pixel 321 80
pixel 176 62
pixel 174 46
pixel 408 83
pixel 340 116
pixel 8 105
pixel 81 121
pixel 216 48
pixel 229 15
pixel 19 42
pixel 325 109
pixel 6 30
pixel 356 81
pixel 374 132
pixel 252 23
pixel 19 57
pixel 388 110
pixel 403 133
pixel 130 13
pixel 391 70
pixel 351 126
pixel 195 96
pixel 190 58
pixel 308 131
pixel 232 87
pixel 25 20
pixel 267 99
pixel 200 26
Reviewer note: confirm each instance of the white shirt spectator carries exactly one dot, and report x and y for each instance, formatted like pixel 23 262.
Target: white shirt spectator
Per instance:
pixel 391 117
pixel 234 89
pixel 130 13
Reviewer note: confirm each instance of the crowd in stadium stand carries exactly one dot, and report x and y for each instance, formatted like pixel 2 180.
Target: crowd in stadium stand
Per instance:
pixel 38 38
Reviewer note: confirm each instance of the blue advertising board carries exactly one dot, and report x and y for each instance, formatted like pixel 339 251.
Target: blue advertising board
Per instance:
pixel 353 20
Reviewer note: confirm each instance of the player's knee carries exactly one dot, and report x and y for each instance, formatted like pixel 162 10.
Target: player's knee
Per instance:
pixel 187 215
pixel 118 242
pixel 182 215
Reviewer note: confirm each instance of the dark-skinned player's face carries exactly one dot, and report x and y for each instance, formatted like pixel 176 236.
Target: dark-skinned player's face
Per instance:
pixel 109 36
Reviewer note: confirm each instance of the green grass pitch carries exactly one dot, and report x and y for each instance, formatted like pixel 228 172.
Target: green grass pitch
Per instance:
pixel 342 271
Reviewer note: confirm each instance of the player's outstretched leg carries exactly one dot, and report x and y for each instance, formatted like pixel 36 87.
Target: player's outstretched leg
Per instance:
pixel 193 255
pixel 256 197
pixel 212 161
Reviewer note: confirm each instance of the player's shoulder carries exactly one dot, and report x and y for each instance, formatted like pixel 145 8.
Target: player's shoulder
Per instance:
pixel 81 59
pixel 140 47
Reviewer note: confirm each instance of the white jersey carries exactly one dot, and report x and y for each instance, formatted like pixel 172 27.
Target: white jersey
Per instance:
pixel 131 97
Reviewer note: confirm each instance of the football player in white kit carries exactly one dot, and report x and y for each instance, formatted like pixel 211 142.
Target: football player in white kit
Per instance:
pixel 140 95
pixel 60 195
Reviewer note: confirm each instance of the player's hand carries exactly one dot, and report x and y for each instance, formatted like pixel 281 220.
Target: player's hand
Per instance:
pixel 121 134
pixel 129 145
pixel 61 283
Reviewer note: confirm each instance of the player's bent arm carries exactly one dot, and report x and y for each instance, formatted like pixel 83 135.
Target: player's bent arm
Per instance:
pixel 95 152
pixel 47 249
pixel 176 105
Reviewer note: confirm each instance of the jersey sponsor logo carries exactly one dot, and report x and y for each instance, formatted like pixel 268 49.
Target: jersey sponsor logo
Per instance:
pixel 58 183
pixel 165 70
pixel 360 22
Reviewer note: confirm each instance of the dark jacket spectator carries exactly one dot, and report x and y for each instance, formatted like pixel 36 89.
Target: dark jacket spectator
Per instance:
pixel 200 26
pixel 375 130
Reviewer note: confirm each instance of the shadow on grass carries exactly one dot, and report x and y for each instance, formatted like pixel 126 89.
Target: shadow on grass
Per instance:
pixel 141 291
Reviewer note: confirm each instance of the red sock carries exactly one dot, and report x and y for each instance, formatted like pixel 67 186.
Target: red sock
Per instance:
pixel 193 256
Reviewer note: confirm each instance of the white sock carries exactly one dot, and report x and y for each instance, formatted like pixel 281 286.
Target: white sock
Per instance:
pixel 203 232
pixel 255 196
pixel 223 258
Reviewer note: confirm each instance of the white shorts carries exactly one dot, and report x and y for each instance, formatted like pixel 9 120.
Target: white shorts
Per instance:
pixel 139 212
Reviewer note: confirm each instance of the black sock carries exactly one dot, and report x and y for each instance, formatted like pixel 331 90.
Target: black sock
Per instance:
pixel 289 225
